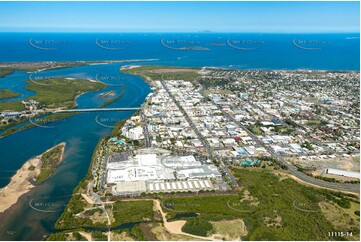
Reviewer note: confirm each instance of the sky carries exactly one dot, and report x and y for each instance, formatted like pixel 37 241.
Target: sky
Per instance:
pixel 252 17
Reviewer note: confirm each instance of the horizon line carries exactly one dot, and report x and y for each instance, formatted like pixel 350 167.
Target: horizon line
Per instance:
pixel 193 32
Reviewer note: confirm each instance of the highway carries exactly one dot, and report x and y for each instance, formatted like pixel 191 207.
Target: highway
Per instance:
pixel 348 187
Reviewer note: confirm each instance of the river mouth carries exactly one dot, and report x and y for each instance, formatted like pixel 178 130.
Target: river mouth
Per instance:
pixel 36 212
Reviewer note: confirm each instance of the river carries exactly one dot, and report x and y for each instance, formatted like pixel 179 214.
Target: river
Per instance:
pixel 81 134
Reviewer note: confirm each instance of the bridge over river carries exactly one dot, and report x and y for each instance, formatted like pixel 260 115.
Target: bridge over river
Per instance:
pixel 95 110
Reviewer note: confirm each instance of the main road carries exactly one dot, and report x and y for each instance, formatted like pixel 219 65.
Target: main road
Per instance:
pixel 199 135
pixel 348 187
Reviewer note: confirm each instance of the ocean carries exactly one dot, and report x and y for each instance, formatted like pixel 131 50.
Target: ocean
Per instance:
pixel 239 51
pixel 82 132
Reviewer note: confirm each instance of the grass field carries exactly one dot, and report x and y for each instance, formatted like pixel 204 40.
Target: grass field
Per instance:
pixel 230 229
pixel 6 93
pixel 267 208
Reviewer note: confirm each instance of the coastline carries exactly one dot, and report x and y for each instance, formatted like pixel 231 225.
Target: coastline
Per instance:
pixel 172 226
pixel 22 182
pixel 122 68
pixel 38 66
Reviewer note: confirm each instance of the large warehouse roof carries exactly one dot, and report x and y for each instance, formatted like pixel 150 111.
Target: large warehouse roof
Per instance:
pixel 129 187
pixel 343 173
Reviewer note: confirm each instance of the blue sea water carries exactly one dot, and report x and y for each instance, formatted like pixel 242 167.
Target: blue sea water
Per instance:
pixel 240 51
pixel 82 132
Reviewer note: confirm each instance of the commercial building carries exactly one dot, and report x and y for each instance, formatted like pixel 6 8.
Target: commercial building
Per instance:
pixel 345 173
pixel 129 188
pixel 135 133
pixel 152 172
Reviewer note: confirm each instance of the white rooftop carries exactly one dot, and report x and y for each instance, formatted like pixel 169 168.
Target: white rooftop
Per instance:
pixel 343 173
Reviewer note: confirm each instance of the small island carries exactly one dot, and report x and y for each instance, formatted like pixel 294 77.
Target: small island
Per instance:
pixel 34 171
pixel 50 160
pixel 107 94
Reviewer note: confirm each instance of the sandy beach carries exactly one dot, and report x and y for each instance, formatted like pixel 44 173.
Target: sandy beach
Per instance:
pixel 86 235
pixel 128 67
pixel 21 182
